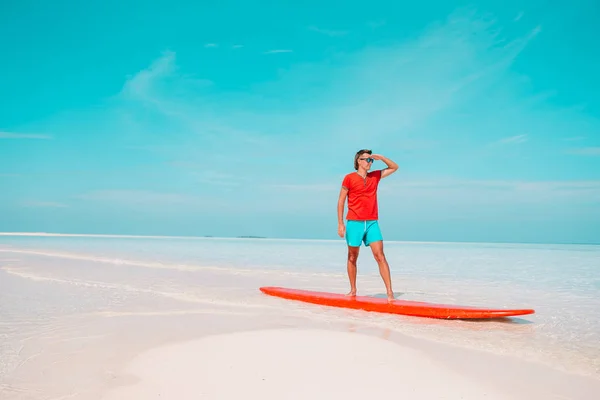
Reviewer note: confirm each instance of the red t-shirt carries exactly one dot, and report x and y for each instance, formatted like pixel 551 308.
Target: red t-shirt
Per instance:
pixel 362 195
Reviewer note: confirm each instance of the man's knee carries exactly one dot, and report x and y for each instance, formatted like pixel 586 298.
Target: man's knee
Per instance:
pixel 353 254
pixel 378 253
pixel 379 256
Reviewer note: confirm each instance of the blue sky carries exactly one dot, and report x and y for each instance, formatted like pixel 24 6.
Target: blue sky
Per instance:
pixel 182 118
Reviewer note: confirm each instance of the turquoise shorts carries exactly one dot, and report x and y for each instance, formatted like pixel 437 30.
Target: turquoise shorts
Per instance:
pixel 362 231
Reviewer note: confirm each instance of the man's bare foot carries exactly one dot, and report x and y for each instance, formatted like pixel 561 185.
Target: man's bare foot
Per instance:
pixel 351 293
pixel 390 297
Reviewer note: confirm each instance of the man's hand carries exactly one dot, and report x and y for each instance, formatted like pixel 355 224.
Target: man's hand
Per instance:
pixel 341 230
pixel 391 166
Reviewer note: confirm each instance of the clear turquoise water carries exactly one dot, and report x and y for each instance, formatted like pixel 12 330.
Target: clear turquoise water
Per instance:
pixel 43 279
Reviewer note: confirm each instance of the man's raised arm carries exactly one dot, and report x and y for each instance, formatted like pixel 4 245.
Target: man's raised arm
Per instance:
pixel 391 166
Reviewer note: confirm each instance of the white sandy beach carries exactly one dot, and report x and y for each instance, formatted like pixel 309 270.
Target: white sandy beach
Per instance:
pixel 294 364
pixel 210 356
pixel 319 363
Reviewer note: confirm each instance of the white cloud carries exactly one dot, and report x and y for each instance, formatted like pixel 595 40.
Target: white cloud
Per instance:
pixel 137 196
pixel 376 24
pixel 328 32
pixel 514 139
pixel 277 51
pixel 495 191
pixel 586 151
pixel 140 85
pixel 309 187
pixel 14 135
pixel 218 178
pixel 44 204
pixel 519 16
pixel 152 199
pixel 211 45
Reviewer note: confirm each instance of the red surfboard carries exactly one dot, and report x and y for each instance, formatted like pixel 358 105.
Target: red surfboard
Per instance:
pixel 403 307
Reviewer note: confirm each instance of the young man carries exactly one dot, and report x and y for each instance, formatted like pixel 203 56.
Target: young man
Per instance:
pixel 360 188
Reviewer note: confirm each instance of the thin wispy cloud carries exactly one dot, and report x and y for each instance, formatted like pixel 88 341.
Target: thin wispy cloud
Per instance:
pixel 136 197
pixel 519 16
pixel 516 185
pixel 464 192
pixel 15 135
pixel 43 204
pixel 211 45
pixel 514 139
pixel 328 32
pixel 237 46
pixel 151 199
pixel 217 178
pixel 277 51
pixel 586 151
pixel 376 24
pixel 139 85
pixel 309 187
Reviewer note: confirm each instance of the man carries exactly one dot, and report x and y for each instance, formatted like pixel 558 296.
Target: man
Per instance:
pixel 360 188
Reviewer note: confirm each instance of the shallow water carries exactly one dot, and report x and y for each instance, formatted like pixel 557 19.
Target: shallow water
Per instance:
pixel 48 279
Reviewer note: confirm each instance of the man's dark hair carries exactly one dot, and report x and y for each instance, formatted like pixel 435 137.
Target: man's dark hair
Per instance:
pixel 357 156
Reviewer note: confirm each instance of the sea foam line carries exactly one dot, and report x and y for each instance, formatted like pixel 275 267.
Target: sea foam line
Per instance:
pixel 129 288
pixel 180 267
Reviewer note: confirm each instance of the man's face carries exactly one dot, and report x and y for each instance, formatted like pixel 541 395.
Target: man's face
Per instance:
pixel 365 161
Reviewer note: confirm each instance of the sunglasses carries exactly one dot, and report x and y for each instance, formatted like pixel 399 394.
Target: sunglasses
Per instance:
pixel 369 160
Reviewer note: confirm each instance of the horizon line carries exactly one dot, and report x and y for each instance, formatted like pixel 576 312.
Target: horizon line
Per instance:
pixel 246 237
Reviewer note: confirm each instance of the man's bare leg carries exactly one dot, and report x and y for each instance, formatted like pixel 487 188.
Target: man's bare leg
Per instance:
pixel 352 258
pixel 384 268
